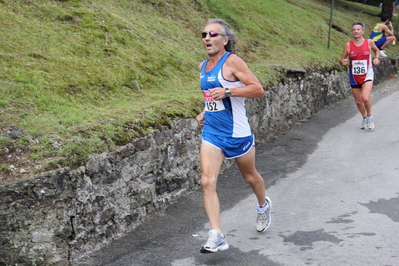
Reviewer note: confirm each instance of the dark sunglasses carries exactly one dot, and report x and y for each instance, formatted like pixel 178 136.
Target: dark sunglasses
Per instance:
pixel 211 33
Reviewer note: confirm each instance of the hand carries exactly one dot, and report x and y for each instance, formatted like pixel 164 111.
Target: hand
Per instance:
pixel 217 93
pixel 200 119
pixel 376 61
pixel 344 61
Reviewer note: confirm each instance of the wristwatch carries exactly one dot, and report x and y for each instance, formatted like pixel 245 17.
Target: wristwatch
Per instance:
pixel 228 93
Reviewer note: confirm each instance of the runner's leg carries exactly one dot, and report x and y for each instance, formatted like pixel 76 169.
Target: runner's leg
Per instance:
pixel 211 159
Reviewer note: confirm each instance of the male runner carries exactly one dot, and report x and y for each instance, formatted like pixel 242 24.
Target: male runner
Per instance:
pixel 361 73
pixel 225 82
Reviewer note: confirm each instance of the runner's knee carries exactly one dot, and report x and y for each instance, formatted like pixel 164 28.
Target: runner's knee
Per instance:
pixel 359 102
pixel 366 99
pixel 208 182
pixel 252 178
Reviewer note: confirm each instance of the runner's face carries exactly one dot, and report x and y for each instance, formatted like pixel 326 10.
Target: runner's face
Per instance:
pixel 357 31
pixel 214 45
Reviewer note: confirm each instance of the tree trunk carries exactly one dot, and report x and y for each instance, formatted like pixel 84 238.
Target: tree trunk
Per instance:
pixel 387 8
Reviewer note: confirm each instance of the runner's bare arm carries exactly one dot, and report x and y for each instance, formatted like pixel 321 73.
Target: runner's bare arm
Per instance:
pixel 345 53
pixel 236 69
pixel 374 48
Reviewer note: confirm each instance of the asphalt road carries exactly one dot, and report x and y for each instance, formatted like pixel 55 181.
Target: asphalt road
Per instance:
pixel 335 193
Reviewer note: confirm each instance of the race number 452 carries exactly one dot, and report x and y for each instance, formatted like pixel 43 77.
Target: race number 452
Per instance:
pixel 212 105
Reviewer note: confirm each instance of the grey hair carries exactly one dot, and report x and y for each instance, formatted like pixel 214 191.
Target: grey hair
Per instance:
pixel 360 24
pixel 228 34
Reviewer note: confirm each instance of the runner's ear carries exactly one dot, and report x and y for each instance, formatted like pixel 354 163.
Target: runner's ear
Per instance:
pixel 225 41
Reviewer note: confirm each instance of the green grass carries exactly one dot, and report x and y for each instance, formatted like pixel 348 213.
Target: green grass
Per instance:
pixel 82 76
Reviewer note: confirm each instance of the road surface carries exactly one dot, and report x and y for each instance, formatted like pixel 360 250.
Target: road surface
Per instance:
pixel 335 194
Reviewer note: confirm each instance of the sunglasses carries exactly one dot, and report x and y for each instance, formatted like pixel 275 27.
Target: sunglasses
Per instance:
pixel 211 33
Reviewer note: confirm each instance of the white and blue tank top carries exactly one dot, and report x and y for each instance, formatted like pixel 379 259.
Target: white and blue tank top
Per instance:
pixel 226 117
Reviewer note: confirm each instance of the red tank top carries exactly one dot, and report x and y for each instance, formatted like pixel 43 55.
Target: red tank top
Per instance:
pixel 360 61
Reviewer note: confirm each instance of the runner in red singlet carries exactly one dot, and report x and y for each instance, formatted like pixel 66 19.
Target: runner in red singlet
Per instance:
pixel 361 73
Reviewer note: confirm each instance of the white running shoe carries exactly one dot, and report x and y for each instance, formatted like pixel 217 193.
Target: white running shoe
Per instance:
pixel 363 126
pixel 382 53
pixel 370 123
pixel 264 219
pixel 215 242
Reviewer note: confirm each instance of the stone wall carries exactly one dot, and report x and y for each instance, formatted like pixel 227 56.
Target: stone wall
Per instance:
pixel 64 215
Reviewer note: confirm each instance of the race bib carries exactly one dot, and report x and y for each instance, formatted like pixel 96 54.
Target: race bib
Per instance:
pixel 359 67
pixel 212 105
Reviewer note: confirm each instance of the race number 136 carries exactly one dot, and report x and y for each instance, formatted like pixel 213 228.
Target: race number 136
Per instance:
pixel 359 67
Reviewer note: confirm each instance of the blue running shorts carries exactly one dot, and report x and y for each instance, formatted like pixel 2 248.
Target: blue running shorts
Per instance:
pixel 380 42
pixel 232 147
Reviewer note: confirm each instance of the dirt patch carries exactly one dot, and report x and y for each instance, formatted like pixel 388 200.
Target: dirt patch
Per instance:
pixel 16 164
pixel 15 157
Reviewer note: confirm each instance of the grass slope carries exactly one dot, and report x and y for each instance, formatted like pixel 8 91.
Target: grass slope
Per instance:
pixel 82 77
